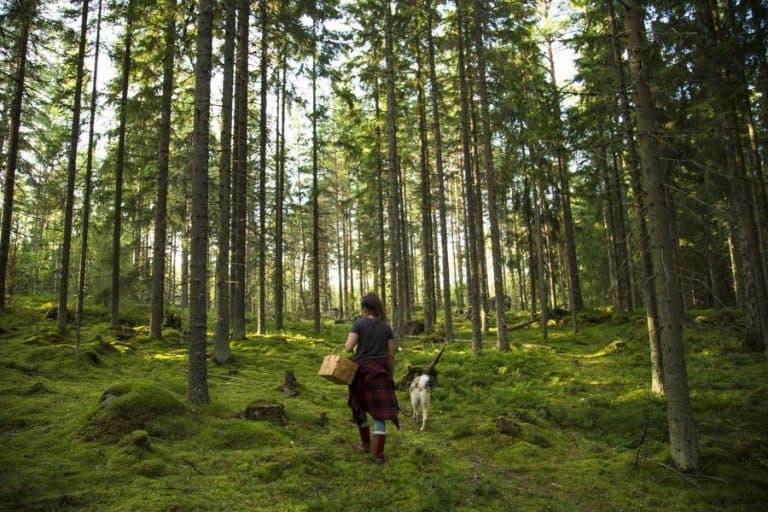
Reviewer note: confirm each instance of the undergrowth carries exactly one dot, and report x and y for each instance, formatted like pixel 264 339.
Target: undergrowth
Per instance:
pixel 566 424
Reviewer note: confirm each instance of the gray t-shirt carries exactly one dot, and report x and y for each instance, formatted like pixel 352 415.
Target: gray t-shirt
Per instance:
pixel 373 337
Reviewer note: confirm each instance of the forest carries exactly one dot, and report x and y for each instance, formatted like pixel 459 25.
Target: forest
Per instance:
pixel 566 198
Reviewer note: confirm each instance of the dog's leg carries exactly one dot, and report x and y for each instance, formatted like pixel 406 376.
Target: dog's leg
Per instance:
pixel 424 408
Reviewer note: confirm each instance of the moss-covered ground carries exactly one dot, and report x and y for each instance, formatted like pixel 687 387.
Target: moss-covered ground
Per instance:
pixel 111 429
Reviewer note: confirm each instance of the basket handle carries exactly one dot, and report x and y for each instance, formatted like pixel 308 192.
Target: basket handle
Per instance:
pixel 334 349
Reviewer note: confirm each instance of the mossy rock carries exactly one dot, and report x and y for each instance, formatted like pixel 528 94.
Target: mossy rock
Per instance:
pixel 37 388
pixel 138 439
pixel 126 407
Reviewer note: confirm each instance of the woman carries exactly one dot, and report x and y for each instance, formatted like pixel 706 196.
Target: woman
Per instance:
pixel 373 389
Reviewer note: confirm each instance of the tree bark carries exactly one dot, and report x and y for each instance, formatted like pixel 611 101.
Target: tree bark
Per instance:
pixel 502 342
pixel 30 8
pixel 87 186
pixel 472 218
pixel 426 201
pixel 240 176
pixel 397 264
pixel 682 431
pixel 262 312
pixel 280 198
pixel 315 191
pixel 161 208
pixel 69 207
pixel 638 203
pixel 221 349
pixel 120 166
pixel 198 379
pixel 748 244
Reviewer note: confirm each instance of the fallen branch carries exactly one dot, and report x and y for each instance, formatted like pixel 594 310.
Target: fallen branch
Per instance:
pixel 210 374
pixel 526 324
pixel 127 345
pixel 641 443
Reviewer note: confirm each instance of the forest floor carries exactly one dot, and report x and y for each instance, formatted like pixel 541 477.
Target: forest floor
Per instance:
pixel 581 431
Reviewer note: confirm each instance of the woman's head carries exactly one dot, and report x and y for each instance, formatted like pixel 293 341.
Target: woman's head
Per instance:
pixel 371 304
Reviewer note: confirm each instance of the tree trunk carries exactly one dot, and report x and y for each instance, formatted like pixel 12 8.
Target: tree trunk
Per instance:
pixel 280 198
pixel 682 431
pixel 502 342
pixel 184 303
pixel 221 349
pixel 748 244
pixel 240 176
pixel 69 207
pixel 638 203
pixel 472 217
pixel 120 166
pixel 541 267
pixel 315 191
pixel 397 264
pixel 87 186
pixel 262 313
pixel 381 181
pixel 13 146
pixel 198 379
pixel 428 256
pixel 161 208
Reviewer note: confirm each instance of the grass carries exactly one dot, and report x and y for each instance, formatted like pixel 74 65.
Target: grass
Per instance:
pixel 553 425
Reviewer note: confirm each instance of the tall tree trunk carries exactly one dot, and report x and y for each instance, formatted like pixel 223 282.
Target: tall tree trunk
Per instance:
pixel 472 217
pixel 120 166
pixel 87 186
pixel 240 175
pixel 638 203
pixel 540 264
pixel 574 283
pixel 682 431
pixel 748 244
pixel 262 313
pixel 29 7
pixel 502 342
pixel 625 261
pixel 69 207
pixel 161 208
pixel 428 256
pixel 397 263
pixel 280 197
pixel 528 220
pixel 197 389
pixel 479 235
pixel 221 349
pixel 381 180
pixel 315 191
pixel 184 302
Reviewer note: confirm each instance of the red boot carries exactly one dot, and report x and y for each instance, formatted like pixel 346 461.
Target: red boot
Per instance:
pixel 378 447
pixel 365 439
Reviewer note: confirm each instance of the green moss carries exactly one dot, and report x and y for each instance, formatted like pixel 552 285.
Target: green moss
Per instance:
pixel 125 407
pixel 581 414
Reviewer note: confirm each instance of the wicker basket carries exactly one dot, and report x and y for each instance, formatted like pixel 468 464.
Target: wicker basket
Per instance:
pixel 338 369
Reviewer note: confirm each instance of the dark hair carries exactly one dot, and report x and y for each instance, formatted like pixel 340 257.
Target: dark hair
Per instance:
pixel 372 304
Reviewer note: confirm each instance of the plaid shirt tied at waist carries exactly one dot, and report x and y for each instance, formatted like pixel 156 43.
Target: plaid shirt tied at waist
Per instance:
pixel 373 391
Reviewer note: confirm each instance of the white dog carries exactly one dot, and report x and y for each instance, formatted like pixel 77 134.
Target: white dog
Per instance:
pixel 421 389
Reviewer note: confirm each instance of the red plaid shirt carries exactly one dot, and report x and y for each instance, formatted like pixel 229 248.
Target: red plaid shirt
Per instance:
pixel 373 391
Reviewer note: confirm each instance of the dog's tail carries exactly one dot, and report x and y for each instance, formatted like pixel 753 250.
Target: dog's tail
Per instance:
pixel 432 365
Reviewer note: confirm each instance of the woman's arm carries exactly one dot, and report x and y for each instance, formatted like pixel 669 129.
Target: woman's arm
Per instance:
pixel 352 338
pixel 391 349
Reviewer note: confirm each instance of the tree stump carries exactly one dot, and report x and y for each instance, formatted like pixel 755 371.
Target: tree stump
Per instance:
pixel 289 386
